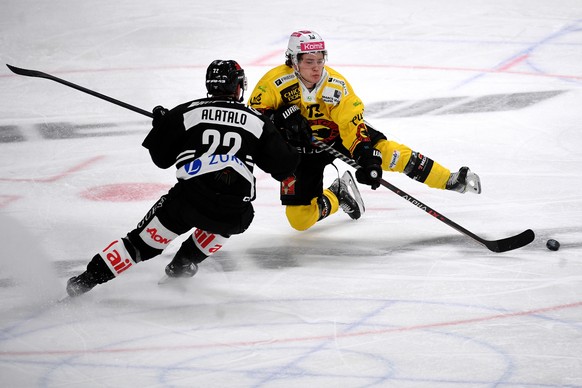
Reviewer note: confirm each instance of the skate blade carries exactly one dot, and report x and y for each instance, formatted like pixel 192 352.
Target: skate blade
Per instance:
pixel 349 178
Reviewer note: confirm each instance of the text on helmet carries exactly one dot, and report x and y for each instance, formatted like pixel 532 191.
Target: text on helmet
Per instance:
pixel 312 46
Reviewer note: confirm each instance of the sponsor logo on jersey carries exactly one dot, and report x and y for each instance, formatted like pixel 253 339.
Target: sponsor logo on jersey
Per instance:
pixel 356 118
pixel 331 96
pixel 290 93
pixel 284 79
pixel 193 167
pixel 340 82
pixel 211 163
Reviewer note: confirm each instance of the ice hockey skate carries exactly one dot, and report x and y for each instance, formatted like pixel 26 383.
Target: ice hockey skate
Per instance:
pixel 181 269
pixel 464 181
pixel 78 285
pixel 348 195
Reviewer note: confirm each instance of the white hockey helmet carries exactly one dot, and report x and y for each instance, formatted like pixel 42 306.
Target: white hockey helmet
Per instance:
pixel 303 42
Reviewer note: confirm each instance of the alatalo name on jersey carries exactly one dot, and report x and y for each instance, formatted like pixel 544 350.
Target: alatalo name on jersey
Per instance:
pixel 224 115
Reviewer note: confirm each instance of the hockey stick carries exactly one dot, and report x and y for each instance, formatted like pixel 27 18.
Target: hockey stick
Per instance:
pixel 503 245
pixel 39 74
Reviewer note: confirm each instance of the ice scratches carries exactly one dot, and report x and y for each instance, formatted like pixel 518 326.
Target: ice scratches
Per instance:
pixel 569 237
pixel 7 282
pixel 459 105
pixel 305 253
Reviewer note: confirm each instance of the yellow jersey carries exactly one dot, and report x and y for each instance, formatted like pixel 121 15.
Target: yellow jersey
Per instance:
pixel 332 108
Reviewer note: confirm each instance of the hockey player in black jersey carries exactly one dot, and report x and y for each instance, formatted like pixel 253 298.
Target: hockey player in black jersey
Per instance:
pixel 214 143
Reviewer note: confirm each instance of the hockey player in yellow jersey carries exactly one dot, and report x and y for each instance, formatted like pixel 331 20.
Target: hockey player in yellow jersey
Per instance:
pixel 306 97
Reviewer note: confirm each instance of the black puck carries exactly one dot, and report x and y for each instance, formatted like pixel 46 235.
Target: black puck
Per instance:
pixel 553 245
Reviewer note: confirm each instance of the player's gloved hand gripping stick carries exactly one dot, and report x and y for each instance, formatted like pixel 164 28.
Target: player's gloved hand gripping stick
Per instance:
pixel 502 245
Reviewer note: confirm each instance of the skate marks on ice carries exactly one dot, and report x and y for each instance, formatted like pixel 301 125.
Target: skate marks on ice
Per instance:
pixel 300 312
pixel 459 105
pixel 303 251
pixel 289 340
pixel 60 130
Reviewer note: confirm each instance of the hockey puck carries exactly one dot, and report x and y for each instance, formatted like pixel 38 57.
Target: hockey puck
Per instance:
pixel 552 245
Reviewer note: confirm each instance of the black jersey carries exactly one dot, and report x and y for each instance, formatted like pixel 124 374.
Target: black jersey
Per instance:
pixel 215 145
pixel 220 141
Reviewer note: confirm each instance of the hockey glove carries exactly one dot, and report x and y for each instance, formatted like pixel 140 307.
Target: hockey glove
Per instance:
pixel 370 171
pixel 160 115
pixel 293 126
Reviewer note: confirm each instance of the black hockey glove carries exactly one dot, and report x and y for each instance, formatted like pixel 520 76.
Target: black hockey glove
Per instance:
pixel 370 172
pixel 293 126
pixel 160 115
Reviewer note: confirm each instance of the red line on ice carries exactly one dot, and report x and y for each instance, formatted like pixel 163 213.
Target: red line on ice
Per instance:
pixel 510 64
pixel 299 339
pixel 54 178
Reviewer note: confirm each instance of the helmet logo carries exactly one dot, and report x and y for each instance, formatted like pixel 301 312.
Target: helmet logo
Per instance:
pixel 312 46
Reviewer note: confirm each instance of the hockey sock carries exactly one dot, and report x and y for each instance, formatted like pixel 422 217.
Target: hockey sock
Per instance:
pixel 324 205
pixel 425 170
pixel 116 257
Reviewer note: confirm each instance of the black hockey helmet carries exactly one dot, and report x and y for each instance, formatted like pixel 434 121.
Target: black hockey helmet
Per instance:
pixel 223 78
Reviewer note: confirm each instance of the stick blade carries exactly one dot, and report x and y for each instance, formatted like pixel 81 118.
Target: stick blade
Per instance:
pixel 511 243
pixel 26 72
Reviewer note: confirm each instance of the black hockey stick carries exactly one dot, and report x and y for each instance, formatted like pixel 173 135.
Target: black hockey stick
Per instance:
pixel 39 74
pixel 503 245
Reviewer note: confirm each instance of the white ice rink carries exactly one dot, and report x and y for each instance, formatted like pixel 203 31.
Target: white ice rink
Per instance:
pixel 395 299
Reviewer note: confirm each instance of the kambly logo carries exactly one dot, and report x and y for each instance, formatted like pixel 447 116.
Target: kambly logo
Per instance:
pixel 312 46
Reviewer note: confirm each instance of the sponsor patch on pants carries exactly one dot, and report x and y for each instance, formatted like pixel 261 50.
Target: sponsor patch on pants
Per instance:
pixel 207 242
pixel 156 235
pixel 117 257
pixel 394 159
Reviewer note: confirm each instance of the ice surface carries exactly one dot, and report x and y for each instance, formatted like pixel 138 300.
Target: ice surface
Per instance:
pixel 395 299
